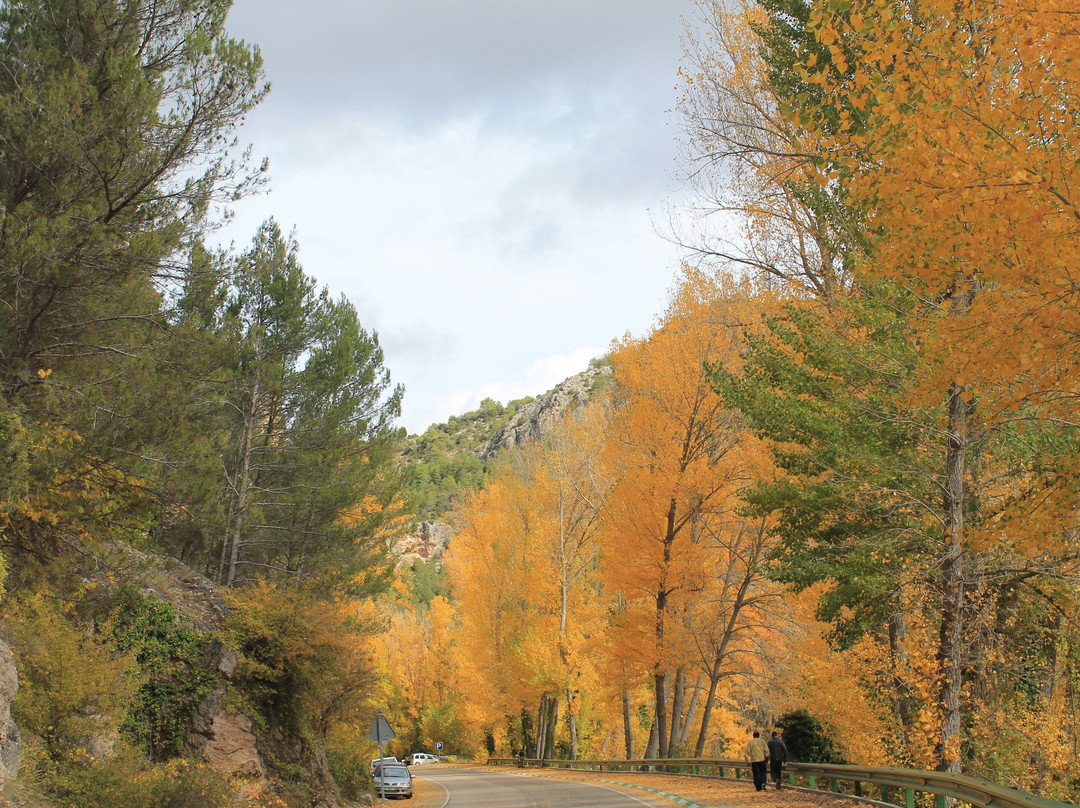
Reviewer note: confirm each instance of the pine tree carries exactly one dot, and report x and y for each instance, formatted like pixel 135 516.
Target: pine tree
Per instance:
pixel 115 123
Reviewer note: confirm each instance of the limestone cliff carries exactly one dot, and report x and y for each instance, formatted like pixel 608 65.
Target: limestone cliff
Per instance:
pixel 426 544
pixel 450 459
pixel 10 742
pixel 534 419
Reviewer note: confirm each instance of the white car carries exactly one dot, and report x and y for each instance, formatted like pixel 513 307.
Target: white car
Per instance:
pixel 378 761
pixel 393 780
pixel 420 758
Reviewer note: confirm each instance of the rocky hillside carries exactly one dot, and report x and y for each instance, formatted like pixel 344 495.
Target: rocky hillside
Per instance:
pixel 450 459
pixel 532 420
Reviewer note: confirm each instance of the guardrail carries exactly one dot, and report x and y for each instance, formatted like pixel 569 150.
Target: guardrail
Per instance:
pixel 973 791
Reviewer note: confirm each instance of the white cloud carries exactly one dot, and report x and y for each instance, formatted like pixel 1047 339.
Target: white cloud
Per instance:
pixel 426 59
pixel 475 177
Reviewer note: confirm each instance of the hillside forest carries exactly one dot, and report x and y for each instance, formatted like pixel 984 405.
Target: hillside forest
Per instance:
pixel 833 489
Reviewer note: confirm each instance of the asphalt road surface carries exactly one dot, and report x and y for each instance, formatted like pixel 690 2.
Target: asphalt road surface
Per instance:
pixel 469 788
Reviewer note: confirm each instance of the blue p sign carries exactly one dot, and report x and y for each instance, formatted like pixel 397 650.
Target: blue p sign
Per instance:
pixel 438 745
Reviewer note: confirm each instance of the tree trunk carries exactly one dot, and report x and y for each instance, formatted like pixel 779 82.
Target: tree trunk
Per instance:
pixel 721 654
pixel 564 608
pixel 541 729
pixel 548 716
pixel 898 661
pixel 660 683
pixel 605 744
pixel 659 674
pixel 571 720
pixel 628 725
pixel 1054 672
pixel 650 750
pixel 677 698
pixel 706 715
pixel 1071 678
pixel 950 642
pixel 685 734
pixel 526 732
pixel 239 506
pixel 552 725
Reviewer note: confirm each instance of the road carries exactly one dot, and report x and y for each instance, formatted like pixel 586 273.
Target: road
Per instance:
pixel 471 788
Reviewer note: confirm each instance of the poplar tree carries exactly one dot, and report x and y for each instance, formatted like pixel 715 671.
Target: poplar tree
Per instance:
pixel 943 130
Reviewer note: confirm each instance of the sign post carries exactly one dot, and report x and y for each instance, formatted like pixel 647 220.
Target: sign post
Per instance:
pixel 380 732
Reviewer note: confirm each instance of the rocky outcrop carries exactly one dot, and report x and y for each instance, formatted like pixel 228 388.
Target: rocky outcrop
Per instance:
pixel 223 738
pixel 324 791
pixel 101 745
pixel 196 597
pixel 426 544
pixel 10 741
pixel 533 420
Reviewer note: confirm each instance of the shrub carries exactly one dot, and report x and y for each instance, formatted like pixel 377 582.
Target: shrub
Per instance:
pixel 301 658
pixel 71 686
pixel 169 656
pixel 127 781
pixel 807 739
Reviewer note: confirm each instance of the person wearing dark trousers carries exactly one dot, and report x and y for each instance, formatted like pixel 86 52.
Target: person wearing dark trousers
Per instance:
pixel 778 755
pixel 757 755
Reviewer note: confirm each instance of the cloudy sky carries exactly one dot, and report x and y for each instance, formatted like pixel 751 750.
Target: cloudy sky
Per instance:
pixel 483 179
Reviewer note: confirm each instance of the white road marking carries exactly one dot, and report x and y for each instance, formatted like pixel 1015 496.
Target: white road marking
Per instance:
pixel 623 793
pixel 440 785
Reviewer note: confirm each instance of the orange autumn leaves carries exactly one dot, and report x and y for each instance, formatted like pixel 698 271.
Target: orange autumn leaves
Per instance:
pixel 959 139
pixel 610 562
pixel 681 459
pixel 607 581
pixel 944 143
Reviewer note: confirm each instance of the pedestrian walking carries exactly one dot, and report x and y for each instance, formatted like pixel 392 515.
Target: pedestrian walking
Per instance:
pixel 757 755
pixel 778 756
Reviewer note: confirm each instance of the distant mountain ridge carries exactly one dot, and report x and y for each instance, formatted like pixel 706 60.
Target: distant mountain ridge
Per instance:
pixel 533 420
pixel 449 460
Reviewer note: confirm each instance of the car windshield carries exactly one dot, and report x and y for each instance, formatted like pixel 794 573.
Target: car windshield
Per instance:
pixel 394 771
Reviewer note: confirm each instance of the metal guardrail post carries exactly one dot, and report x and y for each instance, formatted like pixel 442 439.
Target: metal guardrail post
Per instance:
pixel 899 784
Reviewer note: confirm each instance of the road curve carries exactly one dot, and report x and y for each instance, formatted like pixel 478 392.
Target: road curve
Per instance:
pixel 472 788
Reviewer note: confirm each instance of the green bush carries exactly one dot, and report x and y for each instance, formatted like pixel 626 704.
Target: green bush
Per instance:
pixel 71 686
pixel 127 781
pixel 169 656
pixel 301 659
pixel 349 766
pixel 807 739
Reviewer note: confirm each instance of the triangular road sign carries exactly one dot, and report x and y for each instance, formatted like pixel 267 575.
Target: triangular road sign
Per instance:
pixel 380 731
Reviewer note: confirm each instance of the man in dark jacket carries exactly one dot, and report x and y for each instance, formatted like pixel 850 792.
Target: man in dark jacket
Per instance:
pixel 777 756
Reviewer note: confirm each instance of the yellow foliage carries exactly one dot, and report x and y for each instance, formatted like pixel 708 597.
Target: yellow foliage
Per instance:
pixel 303 658
pixel 522 572
pixel 71 687
pixel 681 459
